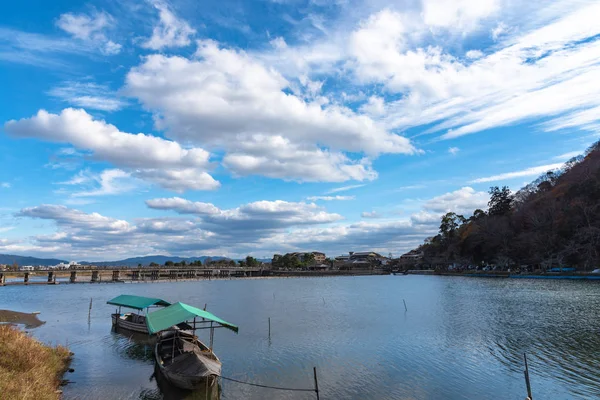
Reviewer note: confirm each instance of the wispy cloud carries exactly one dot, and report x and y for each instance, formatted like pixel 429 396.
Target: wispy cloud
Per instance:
pixel 370 214
pixel 6 228
pixel 568 156
pixel 453 150
pixel 533 171
pixel 5 185
pixel 88 95
pixel 344 188
pixel 330 198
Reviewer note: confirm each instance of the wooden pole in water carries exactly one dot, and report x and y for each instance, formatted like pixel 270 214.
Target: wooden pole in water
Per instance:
pixel 526 372
pixel 269 327
pixel 90 309
pixel 405 309
pixel 316 382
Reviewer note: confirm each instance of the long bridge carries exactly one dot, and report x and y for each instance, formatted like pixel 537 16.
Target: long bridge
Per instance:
pixel 150 274
pixel 53 277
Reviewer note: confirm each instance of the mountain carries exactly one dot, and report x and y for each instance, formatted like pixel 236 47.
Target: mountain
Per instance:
pixel 146 260
pixel 10 259
pixel 552 222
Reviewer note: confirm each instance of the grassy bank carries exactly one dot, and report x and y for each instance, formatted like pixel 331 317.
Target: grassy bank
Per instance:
pixel 28 368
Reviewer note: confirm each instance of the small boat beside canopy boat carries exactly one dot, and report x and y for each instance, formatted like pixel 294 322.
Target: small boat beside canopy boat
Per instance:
pixel 182 358
pixel 133 321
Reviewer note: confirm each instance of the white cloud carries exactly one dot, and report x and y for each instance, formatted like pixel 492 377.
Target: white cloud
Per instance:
pixel 547 66
pixel 277 157
pixel 344 188
pixel 5 185
pixel 453 150
pixel 227 99
pixel 568 156
pixel 108 182
pixel 532 171
pixel 148 157
pixel 499 30
pixel 330 198
pixel 88 95
pixel 170 31
pixel 370 214
pixel 460 15
pixel 6 228
pixel 463 201
pixel 474 54
pixel 91 29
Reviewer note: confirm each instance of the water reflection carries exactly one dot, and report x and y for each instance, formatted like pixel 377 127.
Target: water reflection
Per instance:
pixel 29 320
pixel 461 338
pixel 166 391
pixel 133 345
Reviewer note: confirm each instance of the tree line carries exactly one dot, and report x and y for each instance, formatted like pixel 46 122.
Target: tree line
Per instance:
pixel 552 222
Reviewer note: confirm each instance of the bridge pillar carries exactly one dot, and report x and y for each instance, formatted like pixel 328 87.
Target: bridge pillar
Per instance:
pixel 115 275
pixel 94 276
pixel 51 277
pixel 154 275
pixel 73 277
pixel 26 278
pixel 2 279
pixel 135 275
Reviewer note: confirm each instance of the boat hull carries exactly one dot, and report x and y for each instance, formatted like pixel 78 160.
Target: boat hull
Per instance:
pixel 120 322
pixel 189 370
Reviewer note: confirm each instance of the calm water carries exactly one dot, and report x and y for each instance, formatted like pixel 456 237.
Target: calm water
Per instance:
pixel 462 338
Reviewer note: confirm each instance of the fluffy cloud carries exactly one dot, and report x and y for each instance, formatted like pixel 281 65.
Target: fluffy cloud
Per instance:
pixel 259 228
pixel 149 157
pixel 90 28
pixel 462 201
pixel 228 99
pixel 170 31
pixel 259 217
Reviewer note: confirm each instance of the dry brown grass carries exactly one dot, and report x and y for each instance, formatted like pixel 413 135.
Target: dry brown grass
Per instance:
pixel 28 368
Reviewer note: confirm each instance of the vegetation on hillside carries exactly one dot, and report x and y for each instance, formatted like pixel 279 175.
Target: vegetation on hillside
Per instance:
pixel 29 369
pixel 553 221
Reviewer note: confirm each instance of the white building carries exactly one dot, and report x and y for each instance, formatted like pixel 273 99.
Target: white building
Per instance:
pixel 26 268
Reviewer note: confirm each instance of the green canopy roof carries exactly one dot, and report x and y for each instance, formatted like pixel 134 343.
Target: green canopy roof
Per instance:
pixel 178 313
pixel 137 302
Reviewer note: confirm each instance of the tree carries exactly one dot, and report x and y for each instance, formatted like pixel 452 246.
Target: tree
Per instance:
pixel 252 262
pixel 450 224
pixel 500 200
pixel 153 264
pixel 309 259
pixel 169 263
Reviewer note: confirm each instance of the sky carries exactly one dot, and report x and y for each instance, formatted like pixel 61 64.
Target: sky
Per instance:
pixel 234 128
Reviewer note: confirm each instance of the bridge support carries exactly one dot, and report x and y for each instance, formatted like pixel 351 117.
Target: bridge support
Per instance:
pixel 2 279
pixel 95 276
pixel 51 277
pixel 115 276
pixel 135 275
pixel 73 277
pixel 26 278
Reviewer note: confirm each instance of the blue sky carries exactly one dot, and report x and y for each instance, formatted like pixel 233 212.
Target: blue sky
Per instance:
pixel 234 128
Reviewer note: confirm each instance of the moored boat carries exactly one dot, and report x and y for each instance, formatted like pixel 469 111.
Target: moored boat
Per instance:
pixel 181 357
pixel 134 321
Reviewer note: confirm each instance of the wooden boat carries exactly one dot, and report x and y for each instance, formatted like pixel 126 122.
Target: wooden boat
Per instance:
pixel 133 321
pixel 181 357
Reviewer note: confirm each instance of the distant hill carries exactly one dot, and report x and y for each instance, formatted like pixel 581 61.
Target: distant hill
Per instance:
pixel 146 260
pixel 24 260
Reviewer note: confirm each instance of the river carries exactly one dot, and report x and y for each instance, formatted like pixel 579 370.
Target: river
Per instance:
pixel 461 338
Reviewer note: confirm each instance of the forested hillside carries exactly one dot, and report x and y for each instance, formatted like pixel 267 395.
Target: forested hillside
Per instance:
pixel 553 221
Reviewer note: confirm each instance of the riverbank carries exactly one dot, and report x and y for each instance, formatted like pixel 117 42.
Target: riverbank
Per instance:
pixel 28 368
pixel 505 274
